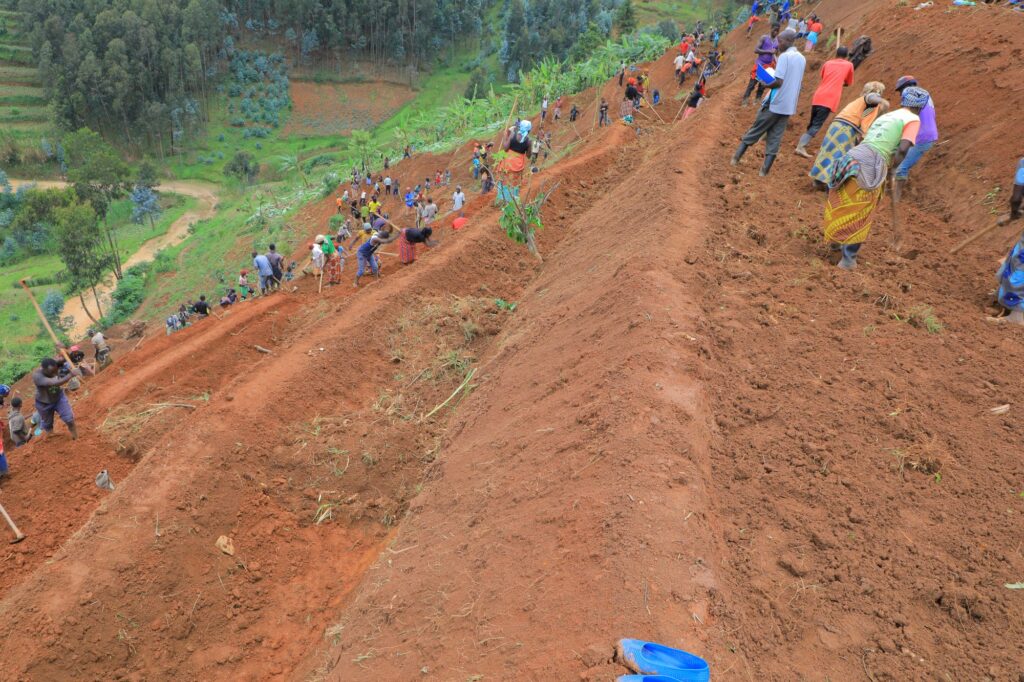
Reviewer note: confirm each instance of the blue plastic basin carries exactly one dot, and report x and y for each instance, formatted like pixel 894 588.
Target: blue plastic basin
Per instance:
pixel 650 659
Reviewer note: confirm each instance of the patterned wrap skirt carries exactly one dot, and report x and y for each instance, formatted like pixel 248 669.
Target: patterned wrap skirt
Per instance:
pixel 406 250
pixel 840 138
pixel 849 211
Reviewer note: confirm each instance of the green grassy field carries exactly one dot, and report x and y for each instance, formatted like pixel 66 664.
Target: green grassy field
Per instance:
pixel 21 329
pixel 15 73
pixel 23 114
pixel 686 12
pixel 205 160
pixel 208 262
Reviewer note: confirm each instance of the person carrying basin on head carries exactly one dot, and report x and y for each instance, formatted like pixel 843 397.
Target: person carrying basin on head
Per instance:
pixel 517 145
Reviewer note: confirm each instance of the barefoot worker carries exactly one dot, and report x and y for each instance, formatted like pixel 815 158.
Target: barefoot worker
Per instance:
pixel 50 396
pixel 836 74
pixel 847 130
pixel 859 179
pixel 780 104
pixel 1011 274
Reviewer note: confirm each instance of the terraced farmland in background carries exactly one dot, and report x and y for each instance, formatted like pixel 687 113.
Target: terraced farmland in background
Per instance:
pixel 23 112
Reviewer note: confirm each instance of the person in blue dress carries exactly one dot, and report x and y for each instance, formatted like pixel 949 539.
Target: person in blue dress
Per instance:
pixel 1011 273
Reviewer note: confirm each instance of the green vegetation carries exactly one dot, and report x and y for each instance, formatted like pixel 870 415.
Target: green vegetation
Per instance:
pixel 686 12
pixel 128 295
pixel 24 115
pixel 23 341
pixel 97 59
pixel 208 262
pixel 188 120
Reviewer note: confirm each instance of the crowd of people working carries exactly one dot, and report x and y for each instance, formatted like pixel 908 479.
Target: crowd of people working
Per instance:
pixel 867 142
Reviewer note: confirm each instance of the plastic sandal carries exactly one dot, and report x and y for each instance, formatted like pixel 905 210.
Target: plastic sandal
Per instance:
pixel 656 659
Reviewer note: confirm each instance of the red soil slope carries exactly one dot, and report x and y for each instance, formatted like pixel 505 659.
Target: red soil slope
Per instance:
pixel 339 108
pixel 692 429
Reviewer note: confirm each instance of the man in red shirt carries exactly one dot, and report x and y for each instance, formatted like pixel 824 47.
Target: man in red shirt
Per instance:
pixel 836 74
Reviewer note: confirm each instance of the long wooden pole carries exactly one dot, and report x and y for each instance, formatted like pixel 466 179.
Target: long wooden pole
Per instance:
pixel 511 113
pixel 46 323
pixel 895 200
pixel 652 109
pixel 975 237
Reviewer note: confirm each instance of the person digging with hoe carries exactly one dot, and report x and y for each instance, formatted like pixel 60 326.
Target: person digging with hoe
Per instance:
pixel 858 180
pixel 50 398
pixel 365 256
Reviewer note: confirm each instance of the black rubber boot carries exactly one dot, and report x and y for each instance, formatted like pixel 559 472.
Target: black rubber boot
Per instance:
pixel 768 161
pixel 740 151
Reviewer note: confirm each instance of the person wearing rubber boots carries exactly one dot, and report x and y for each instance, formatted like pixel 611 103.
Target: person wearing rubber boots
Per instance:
pixel 780 104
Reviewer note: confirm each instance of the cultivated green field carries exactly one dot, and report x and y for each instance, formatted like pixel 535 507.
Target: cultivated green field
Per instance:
pixel 21 332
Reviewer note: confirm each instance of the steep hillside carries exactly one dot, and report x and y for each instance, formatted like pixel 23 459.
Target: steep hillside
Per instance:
pixel 691 428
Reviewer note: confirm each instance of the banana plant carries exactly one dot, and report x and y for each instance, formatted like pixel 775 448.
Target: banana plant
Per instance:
pixel 286 164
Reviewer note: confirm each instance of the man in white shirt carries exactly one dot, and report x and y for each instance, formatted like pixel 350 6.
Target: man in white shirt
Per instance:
pixel 678 64
pixel 102 348
pixel 458 199
pixel 781 103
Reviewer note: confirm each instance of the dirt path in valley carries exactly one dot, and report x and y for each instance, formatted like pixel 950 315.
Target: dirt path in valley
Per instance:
pixel 206 196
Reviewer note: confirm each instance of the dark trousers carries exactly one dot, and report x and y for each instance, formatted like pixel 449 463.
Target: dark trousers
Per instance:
pixel 750 88
pixel 819 115
pixel 770 126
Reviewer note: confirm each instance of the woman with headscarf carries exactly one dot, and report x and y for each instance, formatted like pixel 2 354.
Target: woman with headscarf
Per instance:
pixel 847 130
pixel 858 180
pixel 334 261
pixel 517 148
pixel 317 254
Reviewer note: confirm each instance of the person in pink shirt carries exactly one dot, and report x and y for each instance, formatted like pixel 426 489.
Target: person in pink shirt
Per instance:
pixel 836 74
